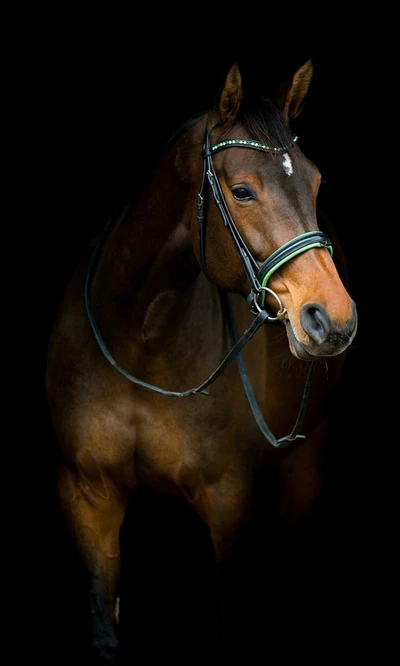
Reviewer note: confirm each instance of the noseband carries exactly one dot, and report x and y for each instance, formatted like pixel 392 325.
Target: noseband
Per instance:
pixel 258 277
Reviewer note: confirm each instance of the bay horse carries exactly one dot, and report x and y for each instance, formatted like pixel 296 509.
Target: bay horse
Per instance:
pixel 199 345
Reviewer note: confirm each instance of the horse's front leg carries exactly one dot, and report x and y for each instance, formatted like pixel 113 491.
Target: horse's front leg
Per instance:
pixel 254 569
pixel 94 510
pixel 226 506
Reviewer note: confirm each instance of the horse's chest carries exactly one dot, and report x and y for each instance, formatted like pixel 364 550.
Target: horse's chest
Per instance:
pixel 206 433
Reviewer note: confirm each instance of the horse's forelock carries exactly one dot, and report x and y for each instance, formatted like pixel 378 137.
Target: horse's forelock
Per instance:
pixel 266 123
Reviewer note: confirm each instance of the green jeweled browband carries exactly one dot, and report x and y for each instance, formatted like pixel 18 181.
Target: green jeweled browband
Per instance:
pixel 246 143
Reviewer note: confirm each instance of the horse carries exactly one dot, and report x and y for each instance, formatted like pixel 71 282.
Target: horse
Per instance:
pixel 199 346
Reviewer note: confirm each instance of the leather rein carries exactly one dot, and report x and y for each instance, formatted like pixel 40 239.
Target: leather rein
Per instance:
pixel 258 277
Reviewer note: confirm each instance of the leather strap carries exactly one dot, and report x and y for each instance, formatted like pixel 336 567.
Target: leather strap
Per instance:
pixel 282 441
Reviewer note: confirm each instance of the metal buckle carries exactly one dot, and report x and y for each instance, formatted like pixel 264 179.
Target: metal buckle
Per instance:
pixel 255 308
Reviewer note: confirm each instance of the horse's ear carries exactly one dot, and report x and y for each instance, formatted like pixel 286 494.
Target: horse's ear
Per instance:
pixel 230 97
pixel 291 94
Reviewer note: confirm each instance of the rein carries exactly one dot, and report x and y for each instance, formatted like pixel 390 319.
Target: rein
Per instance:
pixel 257 276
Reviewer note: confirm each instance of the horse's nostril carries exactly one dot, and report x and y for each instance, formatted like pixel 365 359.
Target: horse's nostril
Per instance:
pixel 315 322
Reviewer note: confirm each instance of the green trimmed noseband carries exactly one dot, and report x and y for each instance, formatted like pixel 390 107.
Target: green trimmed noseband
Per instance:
pixel 286 252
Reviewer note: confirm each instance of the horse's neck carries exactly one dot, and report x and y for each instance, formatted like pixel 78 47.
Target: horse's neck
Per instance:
pixel 150 234
pixel 167 293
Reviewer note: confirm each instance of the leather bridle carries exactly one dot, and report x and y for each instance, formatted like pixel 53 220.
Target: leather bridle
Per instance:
pixel 258 277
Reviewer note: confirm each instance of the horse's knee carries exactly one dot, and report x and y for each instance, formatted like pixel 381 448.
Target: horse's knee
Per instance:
pixel 94 516
pixel 224 508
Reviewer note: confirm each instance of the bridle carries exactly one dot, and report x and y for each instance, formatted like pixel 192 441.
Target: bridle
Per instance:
pixel 258 277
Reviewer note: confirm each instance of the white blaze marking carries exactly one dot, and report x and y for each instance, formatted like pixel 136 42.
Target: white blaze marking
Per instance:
pixel 287 164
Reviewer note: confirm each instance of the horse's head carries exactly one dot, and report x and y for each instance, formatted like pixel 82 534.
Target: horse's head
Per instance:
pixel 256 227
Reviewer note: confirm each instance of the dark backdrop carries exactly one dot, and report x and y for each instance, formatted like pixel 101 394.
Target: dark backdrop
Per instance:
pixel 104 102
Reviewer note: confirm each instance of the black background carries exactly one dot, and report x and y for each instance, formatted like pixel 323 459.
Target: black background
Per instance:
pixel 104 97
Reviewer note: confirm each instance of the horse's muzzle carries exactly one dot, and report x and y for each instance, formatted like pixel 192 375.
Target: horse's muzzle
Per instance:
pixel 326 339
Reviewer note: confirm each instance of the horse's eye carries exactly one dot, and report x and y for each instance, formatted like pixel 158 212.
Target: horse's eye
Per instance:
pixel 242 194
